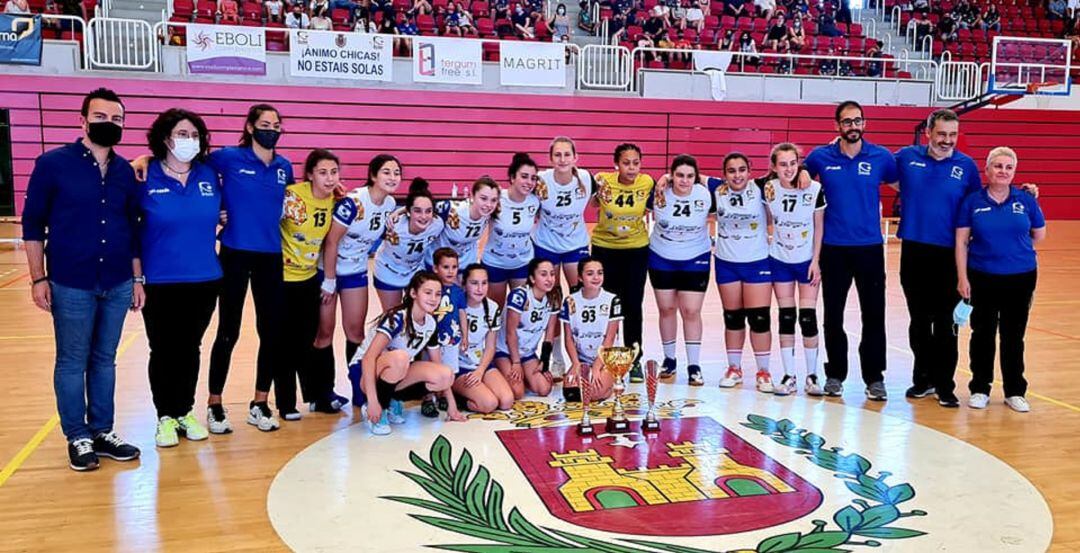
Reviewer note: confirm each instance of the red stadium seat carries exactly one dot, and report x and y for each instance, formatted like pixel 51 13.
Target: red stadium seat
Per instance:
pixel 480 9
pixel 252 11
pixel 541 30
pixel 183 8
pixel 485 27
pixel 426 24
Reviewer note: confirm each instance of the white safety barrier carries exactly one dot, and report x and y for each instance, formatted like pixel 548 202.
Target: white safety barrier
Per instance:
pixel 958 80
pixel 120 44
pixel 607 67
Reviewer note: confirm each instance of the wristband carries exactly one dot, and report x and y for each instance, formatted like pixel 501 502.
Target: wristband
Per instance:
pixel 329 285
pixel 141 279
pixel 39 280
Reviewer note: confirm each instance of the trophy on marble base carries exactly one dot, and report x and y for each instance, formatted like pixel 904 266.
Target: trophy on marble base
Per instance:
pixel 584 428
pixel 652 376
pixel 617 361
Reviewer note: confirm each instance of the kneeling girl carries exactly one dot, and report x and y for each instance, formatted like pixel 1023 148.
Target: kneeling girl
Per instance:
pixel 478 381
pixel 590 318
pixel 530 317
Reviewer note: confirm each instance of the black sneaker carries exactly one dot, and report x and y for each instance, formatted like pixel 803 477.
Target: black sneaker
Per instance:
pixel 324 406
pixel 636 374
pixel 81 456
pixel 110 445
pixel 669 370
pixel 948 399
pixel 694 377
pixel 916 392
pixel 428 408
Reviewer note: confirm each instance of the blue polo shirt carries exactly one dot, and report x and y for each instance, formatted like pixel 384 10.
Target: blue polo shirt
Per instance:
pixel 852 189
pixel 88 222
pixel 930 192
pixel 254 193
pixel 179 226
pixel 1001 233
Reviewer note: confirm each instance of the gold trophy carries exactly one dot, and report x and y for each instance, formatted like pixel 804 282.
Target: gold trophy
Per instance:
pixel 650 424
pixel 585 428
pixel 617 361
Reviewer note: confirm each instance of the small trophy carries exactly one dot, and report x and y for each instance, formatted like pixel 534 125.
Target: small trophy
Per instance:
pixel 617 361
pixel 584 428
pixel 650 424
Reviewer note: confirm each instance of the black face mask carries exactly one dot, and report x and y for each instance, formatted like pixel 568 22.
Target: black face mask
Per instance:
pixel 267 138
pixel 104 133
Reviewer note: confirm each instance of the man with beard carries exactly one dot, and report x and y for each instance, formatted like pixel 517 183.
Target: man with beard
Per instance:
pixel 851 171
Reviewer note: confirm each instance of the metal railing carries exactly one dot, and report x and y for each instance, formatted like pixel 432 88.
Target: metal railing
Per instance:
pixel 120 44
pixel 895 21
pixel 958 80
pixel 594 11
pixel 605 66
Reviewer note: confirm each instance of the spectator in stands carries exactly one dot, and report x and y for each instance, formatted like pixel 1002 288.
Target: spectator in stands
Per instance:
pixel 677 15
pixel 88 287
pixel 229 12
pixel 734 8
pixel 728 40
pixel 906 6
pixel 420 7
pixel 17 7
pixel 585 18
pixel 765 8
pixel 465 22
pixel 684 44
pixel 991 19
pixel 523 27
pixel 873 68
pixel 406 26
pixel 1071 31
pixel 72 7
pixel 535 9
pixel 947 28
pixel 796 37
pixel 748 46
pixel 827 24
pixel 1055 10
pixel 654 25
pixel 921 26
pixel 828 66
pixel 617 29
pixel 452 20
pixel 365 25
pixel 843 13
pixel 695 17
pixel 273 11
pixel 315 5
pixel 776 39
pixel 559 24
pixel 297 19
pixel 844 68
pixel 922 5
pixel 321 22
pixel 704 5
pixel 387 27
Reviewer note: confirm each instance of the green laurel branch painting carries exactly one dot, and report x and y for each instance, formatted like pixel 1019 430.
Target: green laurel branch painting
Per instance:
pixel 470 502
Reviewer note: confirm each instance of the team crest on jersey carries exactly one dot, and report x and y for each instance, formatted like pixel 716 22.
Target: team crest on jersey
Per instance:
pixel 1017 207
pixel 571 306
pixel 391 236
pixel 864 168
pixel 604 193
pixel 453 220
pixel 808 199
pixel 770 191
pixel 295 209
pixel 206 189
pixel 604 309
pixel 541 190
pixel 282 179
pixel 957 172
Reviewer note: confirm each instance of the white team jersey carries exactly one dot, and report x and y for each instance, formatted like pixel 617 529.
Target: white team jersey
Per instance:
pixel 535 316
pixel 562 212
pixel 509 244
pixel 589 321
pixel 393 327
pixel 481 319
pixel 793 220
pixel 681 229
pixel 402 253
pixel 366 222
pixel 461 232
pixel 741 233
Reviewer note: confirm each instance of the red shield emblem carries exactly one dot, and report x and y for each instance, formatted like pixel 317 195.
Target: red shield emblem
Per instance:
pixel 693 478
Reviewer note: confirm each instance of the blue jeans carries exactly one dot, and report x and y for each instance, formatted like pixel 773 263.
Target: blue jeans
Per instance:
pixel 87 324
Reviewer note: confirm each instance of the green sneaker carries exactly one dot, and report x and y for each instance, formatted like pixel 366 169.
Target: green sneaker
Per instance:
pixel 166 435
pixel 636 374
pixel 191 427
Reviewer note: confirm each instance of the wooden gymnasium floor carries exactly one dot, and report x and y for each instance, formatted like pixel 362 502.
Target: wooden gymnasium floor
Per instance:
pixel 213 495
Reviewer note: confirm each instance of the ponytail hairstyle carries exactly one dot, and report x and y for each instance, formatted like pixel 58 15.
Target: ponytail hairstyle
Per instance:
pixel 736 155
pixel 685 159
pixel 781 147
pixel 521 159
pixel 554 297
pixel 406 304
pixel 573 149
pixel 625 147
pixel 419 188
pixel 376 164
pixel 253 115
pixel 489 317
pixel 585 261
pixel 487 182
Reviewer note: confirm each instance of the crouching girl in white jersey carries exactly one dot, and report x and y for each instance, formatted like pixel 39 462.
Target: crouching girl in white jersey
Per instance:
pixel 383 369
pixel 529 318
pixel 798 216
pixel 590 318
pixel 484 388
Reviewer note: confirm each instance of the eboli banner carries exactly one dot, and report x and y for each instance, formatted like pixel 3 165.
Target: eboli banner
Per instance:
pixel 447 60
pixel 20 39
pixel 226 49
pixel 336 55
pixel 532 64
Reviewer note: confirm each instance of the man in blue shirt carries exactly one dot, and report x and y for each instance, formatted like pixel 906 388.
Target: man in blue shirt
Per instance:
pixel 933 180
pixel 79 224
pixel 851 171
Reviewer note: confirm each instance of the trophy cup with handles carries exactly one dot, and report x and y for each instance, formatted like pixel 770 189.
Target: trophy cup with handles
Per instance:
pixel 617 362
pixel 585 428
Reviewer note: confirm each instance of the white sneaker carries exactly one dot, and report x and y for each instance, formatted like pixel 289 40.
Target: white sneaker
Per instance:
pixel 166 435
pixel 1018 404
pixel 217 420
pixel 732 378
pixel 764 382
pixel 191 428
pixel 262 418
pixel 787 386
pixel 381 428
pixel 979 401
pixel 813 387
pixel 396 413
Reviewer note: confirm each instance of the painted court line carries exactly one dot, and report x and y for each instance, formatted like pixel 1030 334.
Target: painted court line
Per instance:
pixel 28 449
